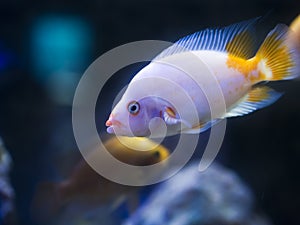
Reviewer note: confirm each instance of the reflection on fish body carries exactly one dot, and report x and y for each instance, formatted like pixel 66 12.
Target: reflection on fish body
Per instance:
pixel 86 186
pixel 229 55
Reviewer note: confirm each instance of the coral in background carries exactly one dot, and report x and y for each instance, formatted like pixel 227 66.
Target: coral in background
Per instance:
pixel 7 195
pixel 216 196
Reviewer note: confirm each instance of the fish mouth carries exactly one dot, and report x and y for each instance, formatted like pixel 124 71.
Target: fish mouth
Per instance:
pixel 112 124
pixel 119 131
pixel 110 130
pixel 108 123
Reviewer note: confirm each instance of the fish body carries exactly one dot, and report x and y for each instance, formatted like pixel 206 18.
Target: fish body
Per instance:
pixel 230 57
pixel 86 187
pixel 234 86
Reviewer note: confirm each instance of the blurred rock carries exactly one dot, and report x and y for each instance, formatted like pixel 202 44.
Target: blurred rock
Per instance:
pixel 7 195
pixel 216 196
pixel 74 215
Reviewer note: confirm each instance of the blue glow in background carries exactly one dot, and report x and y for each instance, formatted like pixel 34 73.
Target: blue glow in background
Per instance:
pixel 60 49
pixel 60 43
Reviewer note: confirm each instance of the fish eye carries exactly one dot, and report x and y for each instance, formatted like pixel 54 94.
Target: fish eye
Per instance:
pixel 134 107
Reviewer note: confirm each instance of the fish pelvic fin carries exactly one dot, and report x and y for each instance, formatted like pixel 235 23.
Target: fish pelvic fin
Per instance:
pixel 278 58
pixel 200 127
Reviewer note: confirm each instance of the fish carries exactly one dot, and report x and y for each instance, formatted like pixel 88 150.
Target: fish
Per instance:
pixel 85 186
pixel 240 67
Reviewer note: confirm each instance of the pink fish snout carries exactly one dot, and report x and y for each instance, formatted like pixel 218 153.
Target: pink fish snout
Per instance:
pixel 112 122
pixel 109 123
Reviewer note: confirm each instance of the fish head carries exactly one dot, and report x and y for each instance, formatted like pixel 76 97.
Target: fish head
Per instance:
pixel 131 117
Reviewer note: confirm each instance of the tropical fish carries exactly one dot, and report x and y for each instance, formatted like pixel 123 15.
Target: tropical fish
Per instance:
pixel 86 187
pixel 231 56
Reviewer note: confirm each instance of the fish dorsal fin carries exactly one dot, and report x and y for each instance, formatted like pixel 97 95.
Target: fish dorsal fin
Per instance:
pixel 236 39
pixel 242 45
pixel 257 98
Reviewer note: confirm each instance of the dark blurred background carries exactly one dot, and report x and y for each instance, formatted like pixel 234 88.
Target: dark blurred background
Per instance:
pixel 45 46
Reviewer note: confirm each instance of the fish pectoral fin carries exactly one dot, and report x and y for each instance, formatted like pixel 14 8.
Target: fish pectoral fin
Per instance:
pixel 170 118
pixel 201 127
pixel 257 98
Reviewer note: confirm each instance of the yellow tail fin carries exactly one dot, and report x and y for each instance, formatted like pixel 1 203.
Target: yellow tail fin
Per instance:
pixel 278 57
